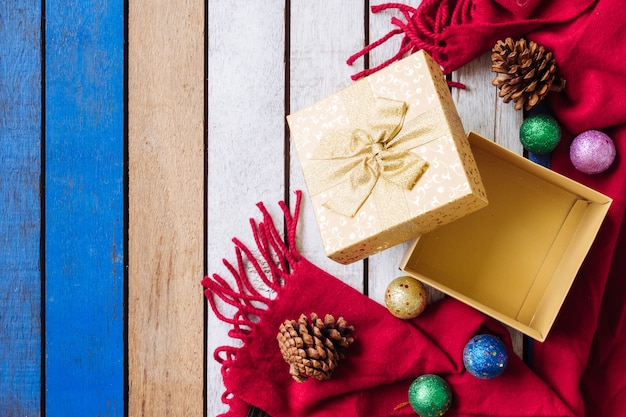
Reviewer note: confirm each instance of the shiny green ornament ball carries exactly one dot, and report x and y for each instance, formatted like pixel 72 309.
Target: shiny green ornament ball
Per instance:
pixel 540 134
pixel 430 396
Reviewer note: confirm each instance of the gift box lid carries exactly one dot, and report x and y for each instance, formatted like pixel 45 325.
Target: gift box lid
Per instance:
pixel 397 135
pixel 516 259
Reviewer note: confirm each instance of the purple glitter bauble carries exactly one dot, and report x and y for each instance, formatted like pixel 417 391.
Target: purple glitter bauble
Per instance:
pixel 485 356
pixel 592 152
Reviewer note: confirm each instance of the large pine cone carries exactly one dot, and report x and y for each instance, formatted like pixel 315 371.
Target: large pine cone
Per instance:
pixel 313 348
pixel 526 72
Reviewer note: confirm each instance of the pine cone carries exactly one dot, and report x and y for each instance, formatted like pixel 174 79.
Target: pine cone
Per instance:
pixel 526 72
pixel 313 348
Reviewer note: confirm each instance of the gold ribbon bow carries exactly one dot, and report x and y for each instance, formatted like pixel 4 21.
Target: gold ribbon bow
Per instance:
pixel 373 157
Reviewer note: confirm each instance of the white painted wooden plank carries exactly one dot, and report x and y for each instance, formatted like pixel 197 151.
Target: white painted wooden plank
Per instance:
pixel 507 123
pixel 323 34
pixel 245 139
pixel 480 108
pixel 384 266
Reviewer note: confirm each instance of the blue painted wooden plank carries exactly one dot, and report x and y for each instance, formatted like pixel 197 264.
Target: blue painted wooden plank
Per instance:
pixel 20 207
pixel 541 159
pixel 84 207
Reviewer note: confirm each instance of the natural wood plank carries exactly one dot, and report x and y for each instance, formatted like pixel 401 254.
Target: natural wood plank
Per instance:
pixel 246 55
pixel 20 220
pixel 84 208
pixel 323 34
pixel 166 166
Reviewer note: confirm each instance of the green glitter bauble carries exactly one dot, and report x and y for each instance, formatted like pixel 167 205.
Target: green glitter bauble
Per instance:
pixel 430 396
pixel 540 134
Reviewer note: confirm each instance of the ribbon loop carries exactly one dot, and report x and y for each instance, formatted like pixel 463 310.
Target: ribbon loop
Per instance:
pixel 374 153
pixel 387 120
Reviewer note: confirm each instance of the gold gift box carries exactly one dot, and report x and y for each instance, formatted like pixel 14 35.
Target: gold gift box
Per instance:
pixel 516 259
pixel 386 159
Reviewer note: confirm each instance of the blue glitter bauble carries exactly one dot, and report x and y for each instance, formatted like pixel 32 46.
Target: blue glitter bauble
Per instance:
pixel 485 356
pixel 430 396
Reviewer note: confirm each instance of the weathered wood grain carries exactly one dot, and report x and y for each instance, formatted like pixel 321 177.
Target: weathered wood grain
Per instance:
pixel 20 206
pixel 84 208
pixel 166 207
pixel 246 74
pixel 251 45
pixel 480 108
pixel 322 35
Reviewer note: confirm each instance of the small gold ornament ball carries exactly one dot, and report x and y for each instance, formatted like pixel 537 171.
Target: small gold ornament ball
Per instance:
pixel 406 297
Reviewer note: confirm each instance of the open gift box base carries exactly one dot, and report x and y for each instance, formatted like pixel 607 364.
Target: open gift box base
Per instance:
pixel 516 259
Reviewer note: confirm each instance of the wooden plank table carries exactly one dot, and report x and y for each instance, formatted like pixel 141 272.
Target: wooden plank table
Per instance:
pixel 136 139
pixel 275 58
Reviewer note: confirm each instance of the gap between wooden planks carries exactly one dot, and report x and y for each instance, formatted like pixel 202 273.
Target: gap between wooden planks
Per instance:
pixel 166 207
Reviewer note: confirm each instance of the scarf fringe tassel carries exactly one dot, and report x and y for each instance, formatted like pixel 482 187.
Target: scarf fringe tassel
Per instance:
pixel 422 29
pixel 273 266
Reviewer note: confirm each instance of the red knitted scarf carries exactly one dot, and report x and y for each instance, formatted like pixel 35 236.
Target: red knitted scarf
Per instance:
pixel 584 358
pixel 578 371
pixel 387 355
